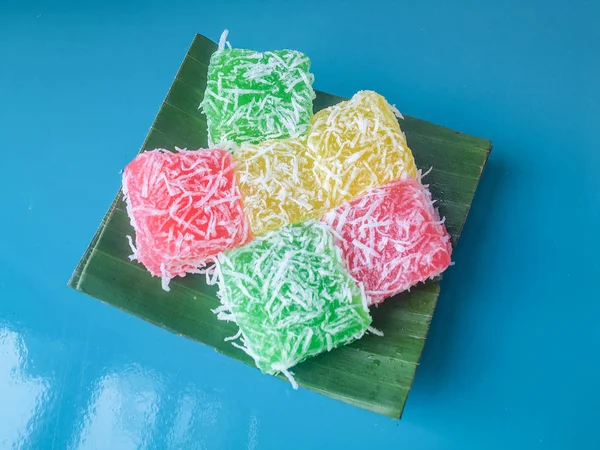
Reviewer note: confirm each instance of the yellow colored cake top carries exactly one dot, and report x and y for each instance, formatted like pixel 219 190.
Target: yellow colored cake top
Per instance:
pixel 358 145
pixel 351 147
pixel 278 183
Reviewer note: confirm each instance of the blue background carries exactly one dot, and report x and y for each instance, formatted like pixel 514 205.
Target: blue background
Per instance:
pixel 512 357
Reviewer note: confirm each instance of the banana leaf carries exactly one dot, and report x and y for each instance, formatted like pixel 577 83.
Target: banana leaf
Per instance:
pixel 374 373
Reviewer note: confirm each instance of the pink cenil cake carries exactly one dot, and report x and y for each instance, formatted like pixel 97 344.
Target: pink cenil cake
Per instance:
pixel 185 208
pixel 391 238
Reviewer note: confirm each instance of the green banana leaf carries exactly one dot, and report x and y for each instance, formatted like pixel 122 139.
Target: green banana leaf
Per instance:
pixel 374 373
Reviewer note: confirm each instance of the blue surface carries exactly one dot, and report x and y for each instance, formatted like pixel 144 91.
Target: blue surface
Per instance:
pixel 512 357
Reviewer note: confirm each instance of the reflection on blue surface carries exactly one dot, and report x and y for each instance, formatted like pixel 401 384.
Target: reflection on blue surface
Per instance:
pixel 121 413
pixel 511 359
pixel 127 406
pixel 22 396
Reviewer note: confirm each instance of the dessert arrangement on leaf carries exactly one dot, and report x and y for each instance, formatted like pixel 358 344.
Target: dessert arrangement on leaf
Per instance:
pixel 303 221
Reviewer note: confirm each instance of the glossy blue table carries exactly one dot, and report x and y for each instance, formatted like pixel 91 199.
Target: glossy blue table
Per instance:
pixel 512 357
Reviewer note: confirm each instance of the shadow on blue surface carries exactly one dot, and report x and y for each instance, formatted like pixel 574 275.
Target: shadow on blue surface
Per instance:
pixel 440 362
